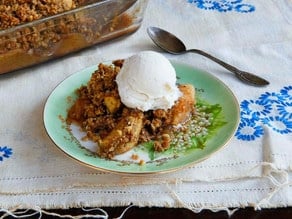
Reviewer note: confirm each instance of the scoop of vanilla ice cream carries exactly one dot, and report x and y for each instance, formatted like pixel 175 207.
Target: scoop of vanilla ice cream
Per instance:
pixel 147 81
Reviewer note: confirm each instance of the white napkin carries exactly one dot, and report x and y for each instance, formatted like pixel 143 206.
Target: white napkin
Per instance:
pixel 253 170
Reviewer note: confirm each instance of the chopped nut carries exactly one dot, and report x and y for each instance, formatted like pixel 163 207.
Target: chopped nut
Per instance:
pixel 135 157
pixel 141 162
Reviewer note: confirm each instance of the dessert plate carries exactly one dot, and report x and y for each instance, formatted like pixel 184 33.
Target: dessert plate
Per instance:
pixel 217 120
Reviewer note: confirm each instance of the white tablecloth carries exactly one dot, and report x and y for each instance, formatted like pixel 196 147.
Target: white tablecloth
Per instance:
pixel 253 170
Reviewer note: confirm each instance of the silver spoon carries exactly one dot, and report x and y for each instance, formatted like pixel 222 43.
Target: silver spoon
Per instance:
pixel 172 44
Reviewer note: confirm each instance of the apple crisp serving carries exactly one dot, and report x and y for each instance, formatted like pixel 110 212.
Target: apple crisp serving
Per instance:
pixel 115 128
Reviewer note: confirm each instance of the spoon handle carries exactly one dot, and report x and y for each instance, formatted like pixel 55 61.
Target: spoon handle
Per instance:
pixel 245 76
pixel 218 61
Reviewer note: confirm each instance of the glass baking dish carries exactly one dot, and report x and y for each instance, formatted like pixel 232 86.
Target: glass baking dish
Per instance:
pixel 58 35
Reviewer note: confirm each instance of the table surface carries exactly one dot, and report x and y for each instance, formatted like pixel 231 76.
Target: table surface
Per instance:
pixel 174 213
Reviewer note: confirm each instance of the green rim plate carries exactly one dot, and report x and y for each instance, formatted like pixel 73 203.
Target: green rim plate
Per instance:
pixel 208 88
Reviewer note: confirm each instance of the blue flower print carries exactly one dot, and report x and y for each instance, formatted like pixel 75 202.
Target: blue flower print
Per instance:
pixel 224 5
pixel 208 5
pixel 248 131
pixel 285 110
pixel 232 1
pixel 255 108
pixel 5 152
pixel 244 8
pixel 271 109
pixel 279 124
pixel 286 92
pixel 270 98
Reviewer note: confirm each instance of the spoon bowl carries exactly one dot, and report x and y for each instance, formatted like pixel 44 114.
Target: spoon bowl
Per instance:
pixel 171 44
pixel 166 41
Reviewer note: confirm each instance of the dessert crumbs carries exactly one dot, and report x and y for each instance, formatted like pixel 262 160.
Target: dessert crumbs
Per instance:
pixel 141 162
pixel 135 157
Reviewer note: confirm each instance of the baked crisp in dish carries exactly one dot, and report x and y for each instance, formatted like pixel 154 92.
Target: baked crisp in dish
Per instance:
pixel 116 128
pixel 15 12
pixel 32 32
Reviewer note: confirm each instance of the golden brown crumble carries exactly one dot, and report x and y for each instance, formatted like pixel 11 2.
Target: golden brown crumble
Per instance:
pixel 53 38
pixel 15 12
pixel 43 36
pixel 117 128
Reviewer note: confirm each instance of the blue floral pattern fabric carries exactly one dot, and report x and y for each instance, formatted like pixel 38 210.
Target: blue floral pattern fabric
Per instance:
pixel 273 110
pixel 5 152
pixel 224 5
